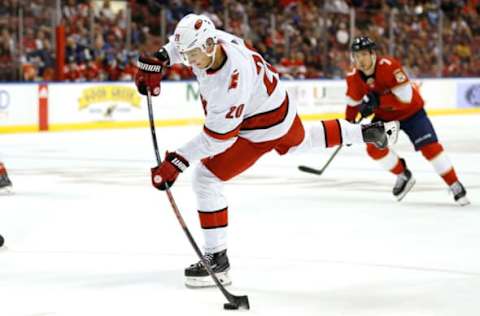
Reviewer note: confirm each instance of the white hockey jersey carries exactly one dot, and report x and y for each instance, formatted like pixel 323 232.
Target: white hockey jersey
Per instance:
pixel 243 98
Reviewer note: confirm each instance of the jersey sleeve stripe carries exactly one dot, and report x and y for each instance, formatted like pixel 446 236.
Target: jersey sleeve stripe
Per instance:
pixel 339 131
pixel 333 133
pixel 267 119
pixel 214 219
pixel 222 136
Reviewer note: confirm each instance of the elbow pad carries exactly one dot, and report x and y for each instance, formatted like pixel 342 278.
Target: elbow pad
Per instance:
pixel 162 55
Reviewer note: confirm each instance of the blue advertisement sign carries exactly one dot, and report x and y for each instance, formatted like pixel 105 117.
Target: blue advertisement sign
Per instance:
pixel 468 94
pixel 4 100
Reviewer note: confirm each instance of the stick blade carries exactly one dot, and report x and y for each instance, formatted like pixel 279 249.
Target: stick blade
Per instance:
pixel 237 302
pixel 310 170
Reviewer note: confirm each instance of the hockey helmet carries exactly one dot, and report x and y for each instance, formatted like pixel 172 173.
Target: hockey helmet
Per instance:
pixel 194 31
pixel 361 43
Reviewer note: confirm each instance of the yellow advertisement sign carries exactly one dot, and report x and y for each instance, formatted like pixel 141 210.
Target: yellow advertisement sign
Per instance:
pixel 102 94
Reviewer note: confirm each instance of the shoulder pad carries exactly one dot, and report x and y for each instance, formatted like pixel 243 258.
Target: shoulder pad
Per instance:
pixel 387 62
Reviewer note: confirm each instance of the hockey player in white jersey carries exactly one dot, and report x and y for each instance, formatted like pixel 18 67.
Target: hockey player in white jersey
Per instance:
pixel 247 114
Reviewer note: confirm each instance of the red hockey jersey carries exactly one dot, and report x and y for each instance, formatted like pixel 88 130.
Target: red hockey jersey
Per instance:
pixel 388 75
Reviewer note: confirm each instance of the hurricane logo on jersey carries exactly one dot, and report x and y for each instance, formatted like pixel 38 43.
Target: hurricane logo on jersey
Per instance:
pixel 198 24
pixel 177 37
pixel 234 80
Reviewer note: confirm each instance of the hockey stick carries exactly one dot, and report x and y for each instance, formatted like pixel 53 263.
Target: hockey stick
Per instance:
pixel 234 302
pixel 320 171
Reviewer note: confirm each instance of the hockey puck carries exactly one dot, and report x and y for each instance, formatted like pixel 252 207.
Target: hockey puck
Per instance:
pixel 230 306
pixel 2 240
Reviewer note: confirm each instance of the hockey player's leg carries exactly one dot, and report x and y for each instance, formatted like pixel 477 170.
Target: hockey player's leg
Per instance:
pixel 422 134
pixel 404 182
pixel 331 133
pixel 212 205
pixel 213 215
pixel 5 183
pixel 390 161
pixel 381 134
pixel 435 154
pixel 459 193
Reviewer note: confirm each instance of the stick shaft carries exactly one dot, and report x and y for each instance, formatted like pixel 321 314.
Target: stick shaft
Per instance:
pixel 230 297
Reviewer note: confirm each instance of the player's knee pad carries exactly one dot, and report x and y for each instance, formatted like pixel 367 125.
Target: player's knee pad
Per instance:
pixel 208 189
pixel 203 179
pixel 430 151
pixel 438 158
pixel 376 153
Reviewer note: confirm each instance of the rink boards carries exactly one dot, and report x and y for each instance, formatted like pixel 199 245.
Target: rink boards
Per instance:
pixel 30 107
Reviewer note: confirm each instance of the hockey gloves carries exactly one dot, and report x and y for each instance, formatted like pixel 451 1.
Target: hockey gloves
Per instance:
pixel 167 172
pixel 149 74
pixel 370 102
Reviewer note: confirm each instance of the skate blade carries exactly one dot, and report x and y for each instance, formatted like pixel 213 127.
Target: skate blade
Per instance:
pixel 6 190
pixel 463 201
pixel 207 281
pixel 408 187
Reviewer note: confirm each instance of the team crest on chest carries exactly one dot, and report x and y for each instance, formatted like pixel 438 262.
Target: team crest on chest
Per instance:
pixel 399 76
pixel 371 82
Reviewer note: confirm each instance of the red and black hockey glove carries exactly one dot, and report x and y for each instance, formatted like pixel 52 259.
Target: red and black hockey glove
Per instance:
pixel 167 172
pixel 149 74
pixel 370 102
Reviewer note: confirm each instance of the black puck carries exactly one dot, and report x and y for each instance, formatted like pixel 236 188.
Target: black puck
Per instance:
pixel 230 306
pixel 2 240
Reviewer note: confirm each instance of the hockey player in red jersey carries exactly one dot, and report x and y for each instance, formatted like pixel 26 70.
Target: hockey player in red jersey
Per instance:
pixel 378 85
pixel 5 183
pixel 248 113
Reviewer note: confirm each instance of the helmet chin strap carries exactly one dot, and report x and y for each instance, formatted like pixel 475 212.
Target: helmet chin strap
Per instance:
pixel 371 70
pixel 212 54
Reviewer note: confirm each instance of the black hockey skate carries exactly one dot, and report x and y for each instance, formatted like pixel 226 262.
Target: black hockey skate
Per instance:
pixel 5 183
pixel 459 193
pixel 404 183
pixel 381 134
pixel 196 276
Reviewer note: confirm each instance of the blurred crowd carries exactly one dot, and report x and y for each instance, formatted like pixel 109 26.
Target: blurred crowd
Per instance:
pixel 301 38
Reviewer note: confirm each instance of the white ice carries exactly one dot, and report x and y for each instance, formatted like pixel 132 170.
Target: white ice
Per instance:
pixel 86 234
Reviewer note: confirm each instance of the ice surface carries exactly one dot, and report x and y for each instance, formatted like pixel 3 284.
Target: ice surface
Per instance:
pixel 87 235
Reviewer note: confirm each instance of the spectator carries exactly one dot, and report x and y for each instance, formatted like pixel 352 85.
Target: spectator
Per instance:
pixel 301 38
